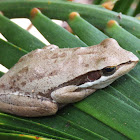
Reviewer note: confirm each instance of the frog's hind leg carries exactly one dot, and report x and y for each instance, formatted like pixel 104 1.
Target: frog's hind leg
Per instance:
pixel 27 107
pixel 70 94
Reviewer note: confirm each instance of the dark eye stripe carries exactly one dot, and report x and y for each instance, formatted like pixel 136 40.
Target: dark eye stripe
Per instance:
pixel 92 76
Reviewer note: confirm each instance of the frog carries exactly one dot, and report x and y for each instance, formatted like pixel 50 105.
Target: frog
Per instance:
pixel 45 80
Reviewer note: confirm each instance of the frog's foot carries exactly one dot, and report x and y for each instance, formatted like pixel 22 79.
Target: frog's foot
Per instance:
pixel 26 106
pixel 70 94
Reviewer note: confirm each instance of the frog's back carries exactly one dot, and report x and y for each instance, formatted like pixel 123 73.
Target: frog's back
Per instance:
pixel 39 69
pixel 44 69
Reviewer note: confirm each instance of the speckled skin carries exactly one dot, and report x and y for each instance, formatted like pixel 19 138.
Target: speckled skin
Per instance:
pixel 33 88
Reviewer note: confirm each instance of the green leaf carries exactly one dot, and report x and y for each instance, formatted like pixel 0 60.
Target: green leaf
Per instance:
pixel 53 32
pixel 18 36
pixel 12 136
pixel 6 129
pixel 84 30
pixel 12 51
pixel 126 94
pixel 18 130
pixel 1 73
pixel 60 10
pixel 70 116
pixel 123 6
pixel 34 128
pixel 138 52
pixel 137 10
pixel 97 1
pixel 113 112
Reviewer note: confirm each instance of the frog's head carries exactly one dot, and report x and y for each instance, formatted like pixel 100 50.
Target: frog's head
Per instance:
pixel 93 68
pixel 110 62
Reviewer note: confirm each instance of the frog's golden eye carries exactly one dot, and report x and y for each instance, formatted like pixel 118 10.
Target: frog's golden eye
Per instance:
pixel 109 70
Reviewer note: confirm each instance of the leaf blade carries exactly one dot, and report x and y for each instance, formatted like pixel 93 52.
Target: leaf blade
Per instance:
pixel 53 32
pixel 18 36
pixel 58 10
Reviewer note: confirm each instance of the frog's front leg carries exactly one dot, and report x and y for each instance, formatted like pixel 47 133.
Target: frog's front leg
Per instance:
pixel 70 94
pixel 26 106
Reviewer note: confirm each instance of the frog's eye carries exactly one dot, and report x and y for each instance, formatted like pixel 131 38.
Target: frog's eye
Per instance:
pixel 108 71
